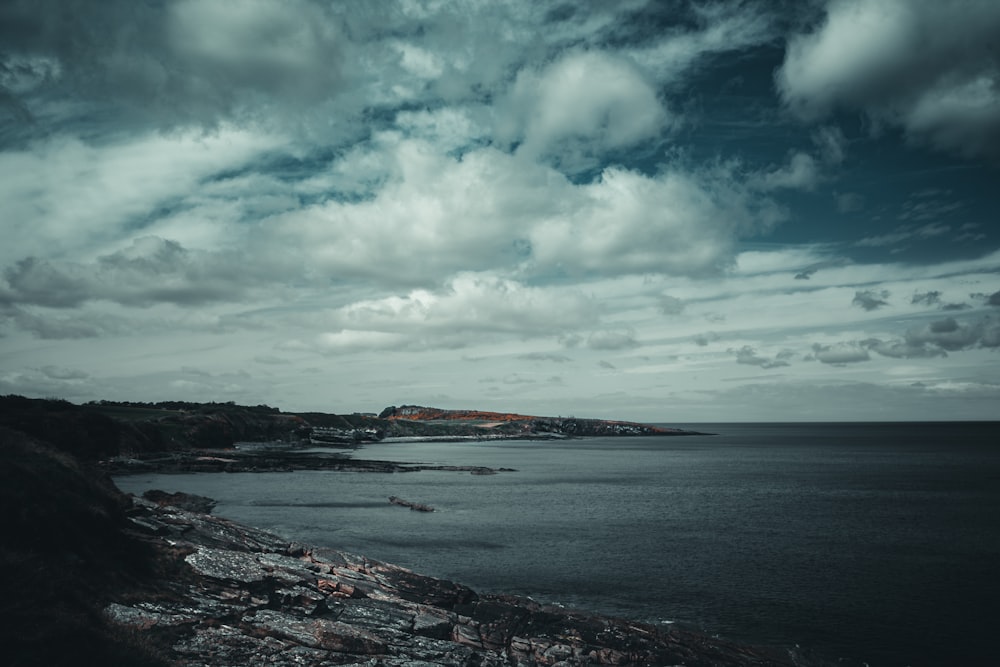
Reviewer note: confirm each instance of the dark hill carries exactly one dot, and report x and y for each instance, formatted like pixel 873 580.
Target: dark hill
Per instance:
pixel 64 554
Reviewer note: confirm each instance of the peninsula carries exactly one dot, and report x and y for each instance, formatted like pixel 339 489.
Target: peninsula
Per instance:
pixel 178 436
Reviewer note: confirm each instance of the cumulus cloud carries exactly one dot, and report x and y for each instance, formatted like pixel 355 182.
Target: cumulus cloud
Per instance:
pixel 871 299
pixel 951 335
pixel 749 356
pixel 489 210
pixel 703 339
pixel 801 173
pixel 583 103
pixel 383 184
pixel 150 270
pixel 471 306
pixel 612 340
pixel 32 280
pixel 61 373
pixel 66 196
pixel 192 60
pixel 927 66
pixel 930 298
pixel 670 305
pixel 839 355
pixel 901 349
pixel 674 223
pixel 60 327
pixel 938 337
pixel 545 356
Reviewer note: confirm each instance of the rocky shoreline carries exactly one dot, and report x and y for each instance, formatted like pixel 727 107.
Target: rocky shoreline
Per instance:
pixel 275 457
pixel 248 597
pixel 91 575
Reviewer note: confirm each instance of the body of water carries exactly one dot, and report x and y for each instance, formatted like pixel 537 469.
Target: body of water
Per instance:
pixel 874 542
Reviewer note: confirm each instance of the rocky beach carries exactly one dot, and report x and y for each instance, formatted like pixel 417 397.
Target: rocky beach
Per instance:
pixel 158 580
pixel 245 597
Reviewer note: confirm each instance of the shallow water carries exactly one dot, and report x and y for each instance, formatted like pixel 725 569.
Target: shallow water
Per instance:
pixel 870 541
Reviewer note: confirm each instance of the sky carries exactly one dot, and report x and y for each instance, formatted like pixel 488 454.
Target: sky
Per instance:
pixel 677 211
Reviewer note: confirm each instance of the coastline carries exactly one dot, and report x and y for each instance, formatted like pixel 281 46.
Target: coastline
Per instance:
pixel 157 581
pixel 161 582
pixel 250 597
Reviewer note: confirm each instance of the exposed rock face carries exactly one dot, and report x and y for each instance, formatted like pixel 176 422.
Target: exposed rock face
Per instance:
pixel 249 597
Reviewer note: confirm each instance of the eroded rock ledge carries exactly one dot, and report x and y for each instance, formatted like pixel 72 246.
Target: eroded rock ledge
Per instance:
pixel 247 597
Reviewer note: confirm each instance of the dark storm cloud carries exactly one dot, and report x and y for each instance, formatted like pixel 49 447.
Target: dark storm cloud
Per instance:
pixel 930 67
pixel 748 355
pixel 871 299
pixel 190 60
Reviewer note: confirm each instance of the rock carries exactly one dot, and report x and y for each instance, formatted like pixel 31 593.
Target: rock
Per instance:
pixel 417 507
pixel 185 501
pixel 91 575
pixel 251 598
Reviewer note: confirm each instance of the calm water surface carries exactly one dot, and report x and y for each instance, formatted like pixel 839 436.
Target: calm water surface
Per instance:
pixel 878 542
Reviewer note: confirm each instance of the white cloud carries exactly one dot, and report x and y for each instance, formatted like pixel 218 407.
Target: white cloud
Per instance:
pixel 67 197
pixel 612 340
pixel 927 66
pixel 630 223
pixel 587 101
pixel 747 355
pixel 489 210
pixel 61 373
pixel 870 299
pixel 150 270
pixel 287 47
pixel 801 173
pixel 722 27
pixel 356 199
pixel 840 354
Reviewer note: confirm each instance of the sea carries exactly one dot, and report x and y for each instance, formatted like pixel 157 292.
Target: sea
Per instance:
pixel 874 543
